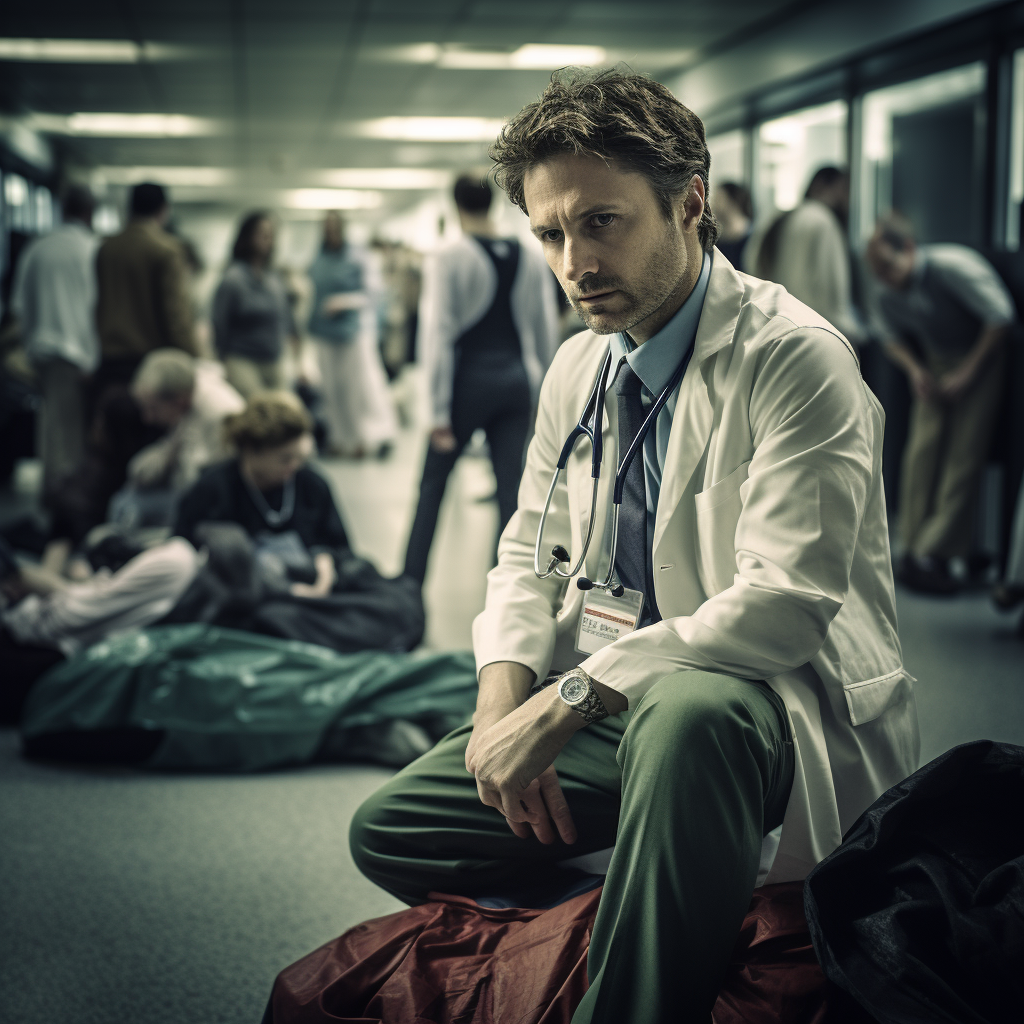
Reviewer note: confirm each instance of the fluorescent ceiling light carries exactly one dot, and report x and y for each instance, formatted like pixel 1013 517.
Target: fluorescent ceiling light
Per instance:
pixel 384 177
pixel 431 129
pixel 375 178
pixel 87 51
pixel 210 177
pixel 529 57
pixel 331 199
pixel 532 56
pixel 141 125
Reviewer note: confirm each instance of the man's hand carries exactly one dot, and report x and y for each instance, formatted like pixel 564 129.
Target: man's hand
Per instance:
pixel 512 761
pixel 957 382
pixel 326 576
pixel 442 439
pixel 342 302
pixel 923 383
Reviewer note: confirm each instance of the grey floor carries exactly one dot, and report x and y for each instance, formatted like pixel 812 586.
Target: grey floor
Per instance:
pixel 132 897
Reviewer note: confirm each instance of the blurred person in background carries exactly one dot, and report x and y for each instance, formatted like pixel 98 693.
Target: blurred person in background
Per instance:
pixel 54 300
pixel 143 303
pixel 488 329
pixel 267 488
pixel 45 617
pixel 251 312
pixel 735 214
pixel 805 250
pixel 944 315
pixel 356 402
pixel 144 300
pixel 190 399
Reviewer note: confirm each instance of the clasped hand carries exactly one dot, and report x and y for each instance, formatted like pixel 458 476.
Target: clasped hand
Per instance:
pixel 512 760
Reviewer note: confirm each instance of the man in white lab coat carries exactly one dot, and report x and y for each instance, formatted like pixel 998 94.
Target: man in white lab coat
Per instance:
pixel 755 680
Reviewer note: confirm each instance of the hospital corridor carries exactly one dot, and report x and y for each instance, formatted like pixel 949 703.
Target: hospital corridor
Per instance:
pixel 512 513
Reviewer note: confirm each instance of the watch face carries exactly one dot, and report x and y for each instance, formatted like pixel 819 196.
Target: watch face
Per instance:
pixel 573 690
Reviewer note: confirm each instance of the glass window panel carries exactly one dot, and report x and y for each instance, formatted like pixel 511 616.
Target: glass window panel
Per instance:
pixel 909 132
pixel 728 157
pixel 44 209
pixel 791 148
pixel 1015 206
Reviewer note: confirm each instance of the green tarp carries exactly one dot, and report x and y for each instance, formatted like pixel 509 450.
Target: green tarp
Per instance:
pixel 234 701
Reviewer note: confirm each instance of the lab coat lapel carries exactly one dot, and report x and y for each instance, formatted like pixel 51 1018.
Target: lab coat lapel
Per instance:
pixel 693 417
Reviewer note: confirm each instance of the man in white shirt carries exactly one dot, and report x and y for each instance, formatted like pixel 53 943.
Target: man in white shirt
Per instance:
pixel 488 329
pixel 54 299
pixel 741 672
pixel 805 251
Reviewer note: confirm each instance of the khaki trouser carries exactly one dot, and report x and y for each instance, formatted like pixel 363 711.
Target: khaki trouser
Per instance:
pixel 947 448
pixel 247 376
pixel 61 423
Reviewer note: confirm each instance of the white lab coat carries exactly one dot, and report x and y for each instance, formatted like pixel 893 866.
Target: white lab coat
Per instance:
pixel 459 285
pixel 771 551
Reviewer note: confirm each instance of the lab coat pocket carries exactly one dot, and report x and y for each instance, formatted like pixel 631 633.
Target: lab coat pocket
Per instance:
pixel 718 513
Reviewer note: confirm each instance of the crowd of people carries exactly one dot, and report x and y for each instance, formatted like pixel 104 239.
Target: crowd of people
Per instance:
pixel 175 477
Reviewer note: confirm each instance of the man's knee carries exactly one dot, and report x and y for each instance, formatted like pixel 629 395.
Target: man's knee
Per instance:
pixel 692 700
pixel 366 834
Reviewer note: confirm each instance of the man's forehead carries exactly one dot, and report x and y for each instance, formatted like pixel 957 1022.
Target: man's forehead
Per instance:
pixel 570 186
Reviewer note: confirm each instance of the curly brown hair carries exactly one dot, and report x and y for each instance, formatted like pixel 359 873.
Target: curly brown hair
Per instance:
pixel 615 114
pixel 270 419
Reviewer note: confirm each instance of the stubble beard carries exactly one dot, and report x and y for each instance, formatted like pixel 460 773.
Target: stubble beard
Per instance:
pixel 660 278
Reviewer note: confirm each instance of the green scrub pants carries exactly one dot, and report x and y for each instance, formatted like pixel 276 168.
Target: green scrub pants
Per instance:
pixel 685 785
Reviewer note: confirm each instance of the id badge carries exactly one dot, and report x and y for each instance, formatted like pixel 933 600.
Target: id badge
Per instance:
pixel 605 618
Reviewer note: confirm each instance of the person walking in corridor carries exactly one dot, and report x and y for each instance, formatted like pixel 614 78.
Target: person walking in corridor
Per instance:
pixel 488 330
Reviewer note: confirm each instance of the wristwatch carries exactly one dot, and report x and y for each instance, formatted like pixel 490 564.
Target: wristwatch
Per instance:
pixel 577 690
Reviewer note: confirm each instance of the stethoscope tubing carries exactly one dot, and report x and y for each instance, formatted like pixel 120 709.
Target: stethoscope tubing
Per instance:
pixel 592 412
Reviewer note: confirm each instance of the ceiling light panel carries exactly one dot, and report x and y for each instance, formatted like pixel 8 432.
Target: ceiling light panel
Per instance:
pixel 430 129
pixel 112 125
pixel 331 199
pixel 88 51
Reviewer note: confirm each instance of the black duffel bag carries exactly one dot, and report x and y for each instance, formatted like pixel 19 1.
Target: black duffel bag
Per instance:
pixel 919 915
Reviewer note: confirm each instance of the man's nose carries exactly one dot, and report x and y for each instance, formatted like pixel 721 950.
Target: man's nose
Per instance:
pixel 579 259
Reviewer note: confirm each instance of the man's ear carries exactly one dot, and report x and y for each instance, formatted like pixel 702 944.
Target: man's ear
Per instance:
pixel 693 204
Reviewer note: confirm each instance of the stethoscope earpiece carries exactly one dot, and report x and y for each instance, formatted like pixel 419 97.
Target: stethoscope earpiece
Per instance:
pixel 560 553
pixel 584 584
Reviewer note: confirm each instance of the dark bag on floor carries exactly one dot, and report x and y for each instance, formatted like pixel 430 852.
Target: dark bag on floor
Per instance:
pixel 920 913
pixel 364 612
pixel 452 961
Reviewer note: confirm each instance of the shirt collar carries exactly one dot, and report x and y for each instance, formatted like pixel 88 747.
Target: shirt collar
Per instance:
pixel 659 357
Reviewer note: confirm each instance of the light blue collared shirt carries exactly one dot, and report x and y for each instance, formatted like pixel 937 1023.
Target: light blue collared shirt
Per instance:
pixel 654 362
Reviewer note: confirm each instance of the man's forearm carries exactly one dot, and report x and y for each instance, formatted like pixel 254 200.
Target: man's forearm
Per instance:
pixel 901 355
pixel 988 341
pixel 504 685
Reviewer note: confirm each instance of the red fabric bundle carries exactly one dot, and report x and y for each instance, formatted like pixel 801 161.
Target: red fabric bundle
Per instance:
pixel 451 961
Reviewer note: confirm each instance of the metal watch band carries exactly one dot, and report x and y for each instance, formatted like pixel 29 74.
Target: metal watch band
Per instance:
pixel 591 708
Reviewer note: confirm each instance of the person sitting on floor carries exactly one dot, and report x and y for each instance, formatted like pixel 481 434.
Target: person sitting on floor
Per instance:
pixel 286 507
pixel 280 561
pixel 45 617
pixel 190 399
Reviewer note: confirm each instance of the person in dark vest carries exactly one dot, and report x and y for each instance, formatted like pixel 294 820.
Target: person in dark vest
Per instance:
pixel 488 330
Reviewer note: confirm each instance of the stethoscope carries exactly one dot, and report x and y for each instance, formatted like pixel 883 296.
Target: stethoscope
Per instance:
pixel 589 426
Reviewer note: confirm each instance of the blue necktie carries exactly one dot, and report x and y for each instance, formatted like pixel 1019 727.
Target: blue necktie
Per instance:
pixel 632 558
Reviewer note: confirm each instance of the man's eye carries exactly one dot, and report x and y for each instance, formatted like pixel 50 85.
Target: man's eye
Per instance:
pixel 551 236
pixel 602 220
